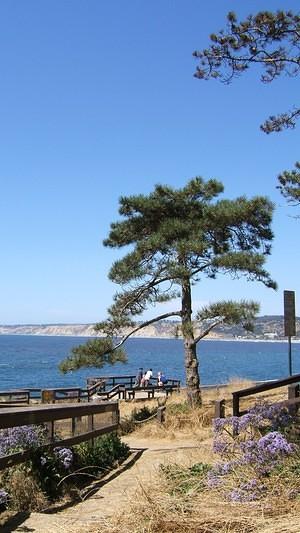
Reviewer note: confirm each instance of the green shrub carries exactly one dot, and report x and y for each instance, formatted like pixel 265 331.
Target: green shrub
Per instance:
pixel 143 413
pixel 48 470
pixel 106 451
pixel 128 423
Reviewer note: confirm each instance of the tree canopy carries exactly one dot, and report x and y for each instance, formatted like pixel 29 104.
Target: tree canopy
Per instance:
pixel 271 41
pixel 173 239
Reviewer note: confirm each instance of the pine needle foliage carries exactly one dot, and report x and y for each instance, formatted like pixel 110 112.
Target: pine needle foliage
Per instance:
pixel 266 40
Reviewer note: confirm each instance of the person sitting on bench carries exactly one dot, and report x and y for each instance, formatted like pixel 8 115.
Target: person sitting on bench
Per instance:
pixel 161 379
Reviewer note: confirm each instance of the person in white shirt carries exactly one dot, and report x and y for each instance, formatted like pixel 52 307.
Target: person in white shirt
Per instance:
pixel 147 377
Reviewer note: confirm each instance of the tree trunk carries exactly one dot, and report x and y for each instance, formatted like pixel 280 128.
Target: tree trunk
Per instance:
pixel 190 347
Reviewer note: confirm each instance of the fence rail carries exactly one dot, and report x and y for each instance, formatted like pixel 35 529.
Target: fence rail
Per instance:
pixel 127 381
pixel 263 387
pixel 54 416
pixel 106 386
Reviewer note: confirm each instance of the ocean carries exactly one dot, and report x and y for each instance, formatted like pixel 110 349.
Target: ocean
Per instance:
pixel 32 361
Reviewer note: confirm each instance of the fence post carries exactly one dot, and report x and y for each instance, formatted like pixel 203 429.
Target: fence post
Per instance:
pixel 220 409
pixel 50 430
pixel 161 414
pixel 235 404
pixel 91 428
pixel 73 426
pixel 293 393
pixel 48 396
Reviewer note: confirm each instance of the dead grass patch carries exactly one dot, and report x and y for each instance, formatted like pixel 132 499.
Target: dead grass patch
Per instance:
pixel 181 419
pixel 154 511
pixel 25 492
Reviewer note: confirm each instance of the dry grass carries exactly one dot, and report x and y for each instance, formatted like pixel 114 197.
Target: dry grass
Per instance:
pixel 220 392
pixel 156 508
pixel 155 511
pixel 184 420
pixel 181 419
pixel 25 492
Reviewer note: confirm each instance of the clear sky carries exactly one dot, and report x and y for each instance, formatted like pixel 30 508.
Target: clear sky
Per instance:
pixel 98 100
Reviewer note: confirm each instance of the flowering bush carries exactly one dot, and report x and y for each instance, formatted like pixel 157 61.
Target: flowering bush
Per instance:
pixel 251 448
pixel 255 459
pixel 20 438
pixel 50 467
pixel 49 473
pixel 65 457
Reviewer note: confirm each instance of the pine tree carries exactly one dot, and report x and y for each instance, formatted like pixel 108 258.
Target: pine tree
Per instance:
pixel 173 239
pixel 270 40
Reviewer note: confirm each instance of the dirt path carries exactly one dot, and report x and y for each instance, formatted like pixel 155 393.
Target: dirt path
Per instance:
pixel 116 489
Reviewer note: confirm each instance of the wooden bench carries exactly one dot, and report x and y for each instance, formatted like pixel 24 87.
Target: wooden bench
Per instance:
pixel 150 390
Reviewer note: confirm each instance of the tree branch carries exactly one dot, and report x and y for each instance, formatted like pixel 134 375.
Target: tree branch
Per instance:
pixel 207 330
pixel 144 324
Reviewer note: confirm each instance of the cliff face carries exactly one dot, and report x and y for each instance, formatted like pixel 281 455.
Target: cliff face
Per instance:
pixel 266 327
pixel 164 330
pixel 84 330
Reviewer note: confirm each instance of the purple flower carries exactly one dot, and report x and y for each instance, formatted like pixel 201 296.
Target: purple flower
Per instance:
pixel 277 415
pixel 212 480
pixel 65 456
pixel 275 445
pixel 219 423
pixel 20 438
pixel 221 469
pixel 239 441
pixel 3 497
pixel 247 492
pixel 221 446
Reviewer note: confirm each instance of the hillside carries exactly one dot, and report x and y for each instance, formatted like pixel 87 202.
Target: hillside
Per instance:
pixel 266 327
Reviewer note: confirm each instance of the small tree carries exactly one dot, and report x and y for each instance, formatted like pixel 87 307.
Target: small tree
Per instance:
pixel 174 238
pixel 270 40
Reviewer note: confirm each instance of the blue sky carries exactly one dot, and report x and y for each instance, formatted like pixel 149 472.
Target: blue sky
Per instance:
pixel 98 100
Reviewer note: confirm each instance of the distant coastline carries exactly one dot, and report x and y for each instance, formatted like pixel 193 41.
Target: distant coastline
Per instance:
pixel 267 328
pixel 206 339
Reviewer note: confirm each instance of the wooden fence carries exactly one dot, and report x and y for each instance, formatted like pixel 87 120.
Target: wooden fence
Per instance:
pixel 292 401
pixel 107 382
pixel 263 387
pixel 107 387
pixel 86 421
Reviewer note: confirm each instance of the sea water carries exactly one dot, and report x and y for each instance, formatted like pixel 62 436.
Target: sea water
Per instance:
pixel 32 361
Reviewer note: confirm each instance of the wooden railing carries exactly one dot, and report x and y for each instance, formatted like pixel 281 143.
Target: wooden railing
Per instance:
pixel 106 387
pixel 100 418
pixel 263 387
pixel 128 381
pixel 292 401
pixel 14 396
pixel 110 381
pixel 117 390
pixel 93 389
pixel 61 393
